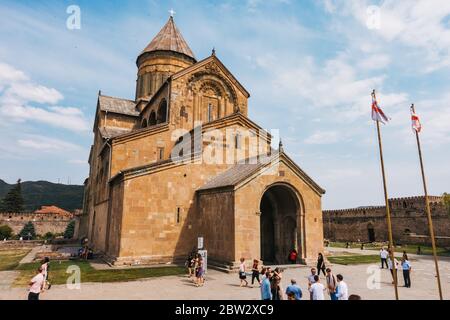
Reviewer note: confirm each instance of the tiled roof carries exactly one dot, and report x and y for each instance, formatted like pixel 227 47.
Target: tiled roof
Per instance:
pixel 117 105
pixel 52 210
pixel 111 132
pixel 236 174
pixel 169 39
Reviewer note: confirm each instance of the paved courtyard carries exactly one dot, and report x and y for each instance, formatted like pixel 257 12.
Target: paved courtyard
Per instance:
pixel 226 286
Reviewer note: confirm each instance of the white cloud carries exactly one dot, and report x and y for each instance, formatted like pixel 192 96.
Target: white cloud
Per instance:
pixel 9 74
pixel 27 91
pixel 338 84
pixel 414 24
pixel 45 144
pixel 375 61
pixel 19 95
pixel 323 137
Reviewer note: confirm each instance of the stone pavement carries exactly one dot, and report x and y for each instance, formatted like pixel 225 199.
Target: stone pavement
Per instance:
pixel 226 286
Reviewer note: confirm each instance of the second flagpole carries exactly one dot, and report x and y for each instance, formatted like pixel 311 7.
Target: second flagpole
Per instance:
pixel 428 211
pixel 388 211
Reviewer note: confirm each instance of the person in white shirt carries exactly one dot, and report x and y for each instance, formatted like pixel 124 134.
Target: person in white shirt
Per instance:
pixel 317 289
pixel 36 285
pixel 311 281
pixel 391 267
pixel 342 288
pixel 383 256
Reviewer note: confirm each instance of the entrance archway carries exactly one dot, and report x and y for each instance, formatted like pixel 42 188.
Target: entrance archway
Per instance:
pixel 280 210
pixel 371 232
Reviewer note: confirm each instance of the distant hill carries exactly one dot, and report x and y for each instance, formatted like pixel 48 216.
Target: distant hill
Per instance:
pixel 39 193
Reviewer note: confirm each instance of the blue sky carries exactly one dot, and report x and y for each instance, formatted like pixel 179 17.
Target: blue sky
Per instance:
pixel 309 65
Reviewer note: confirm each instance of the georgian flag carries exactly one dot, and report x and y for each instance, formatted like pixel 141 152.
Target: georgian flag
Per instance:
pixel 377 113
pixel 415 121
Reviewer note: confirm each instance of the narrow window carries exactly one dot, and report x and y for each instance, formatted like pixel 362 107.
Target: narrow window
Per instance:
pixel 178 215
pixel 160 153
pixel 237 141
pixel 210 107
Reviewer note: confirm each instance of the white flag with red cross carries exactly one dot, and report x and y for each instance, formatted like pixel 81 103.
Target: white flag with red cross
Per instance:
pixel 377 113
pixel 415 121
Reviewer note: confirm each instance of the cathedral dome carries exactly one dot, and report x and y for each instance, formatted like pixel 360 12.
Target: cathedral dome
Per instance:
pixel 169 39
pixel 167 53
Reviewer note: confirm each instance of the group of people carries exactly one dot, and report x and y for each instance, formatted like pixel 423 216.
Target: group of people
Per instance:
pixel 196 268
pixel 271 284
pixel 40 282
pixel 334 285
pixel 391 264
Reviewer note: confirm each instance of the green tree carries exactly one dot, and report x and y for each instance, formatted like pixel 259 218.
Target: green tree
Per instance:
pixel 446 197
pixel 13 200
pixel 28 232
pixel 5 232
pixel 49 236
pixel 70 229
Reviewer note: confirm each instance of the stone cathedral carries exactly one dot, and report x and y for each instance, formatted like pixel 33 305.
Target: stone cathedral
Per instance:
pixel 183 160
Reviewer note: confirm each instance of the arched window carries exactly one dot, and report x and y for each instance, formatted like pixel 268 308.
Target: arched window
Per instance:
pixel 152 119
pixel 144 123
pixel 162 112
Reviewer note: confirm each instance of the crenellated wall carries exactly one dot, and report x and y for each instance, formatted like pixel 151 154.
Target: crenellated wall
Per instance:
pixel 43 223
pixel 409 222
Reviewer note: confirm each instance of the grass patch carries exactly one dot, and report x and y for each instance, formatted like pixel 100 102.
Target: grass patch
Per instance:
pixel 410 249
pixel 9 259
pixel 58 275
pixel 351 259
pixel 354 259
pixel 425 250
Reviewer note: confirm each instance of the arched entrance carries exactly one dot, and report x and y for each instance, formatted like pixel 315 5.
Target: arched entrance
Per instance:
pixel 280 210
pixel 371 232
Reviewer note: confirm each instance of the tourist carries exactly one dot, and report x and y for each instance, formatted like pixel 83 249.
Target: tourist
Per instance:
pixel 391 266
pixel 293 256
pixel 311 280
pixel 266 293
pixel 242 273
pixel 354 297
pixel 406 266
pixel 275 284
pixel 317 289
pixel 291 296
pixel 200 271
pixel 45 268
pixel 190 263
pixel 331 284
pixel 294 291
pixel 341 289
pixel 383 256
pixel 36 285
pixel 321 265
pixel 255 271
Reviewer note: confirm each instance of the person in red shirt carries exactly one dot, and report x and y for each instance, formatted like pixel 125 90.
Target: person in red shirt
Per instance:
pixel 293 256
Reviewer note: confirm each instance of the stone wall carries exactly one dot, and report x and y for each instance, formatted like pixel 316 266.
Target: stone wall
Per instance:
pixel 43 223
pixel 409 222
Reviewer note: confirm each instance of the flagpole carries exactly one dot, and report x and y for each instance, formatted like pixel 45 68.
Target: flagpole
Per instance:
pixel 427 207
pixel 388 211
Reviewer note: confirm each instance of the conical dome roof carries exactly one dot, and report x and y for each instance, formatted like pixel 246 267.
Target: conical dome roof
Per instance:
pixel 169 39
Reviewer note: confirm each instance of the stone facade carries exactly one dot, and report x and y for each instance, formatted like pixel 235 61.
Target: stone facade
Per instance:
pixel 409 222
pixel 183 161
